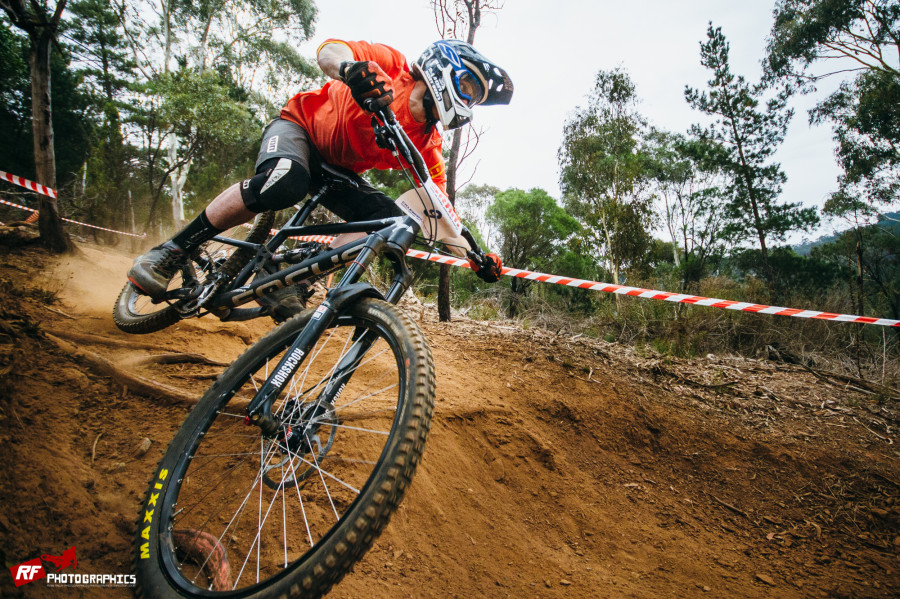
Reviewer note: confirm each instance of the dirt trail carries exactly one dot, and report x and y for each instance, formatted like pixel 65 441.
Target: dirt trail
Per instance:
pixel 556 467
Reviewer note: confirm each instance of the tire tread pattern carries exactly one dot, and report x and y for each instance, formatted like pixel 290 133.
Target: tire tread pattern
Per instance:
pixel 353 539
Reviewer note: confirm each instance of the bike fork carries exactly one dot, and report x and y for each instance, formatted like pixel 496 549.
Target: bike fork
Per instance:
pixel 259 412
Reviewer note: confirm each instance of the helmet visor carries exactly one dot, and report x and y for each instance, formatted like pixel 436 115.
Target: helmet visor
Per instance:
pixel 469 89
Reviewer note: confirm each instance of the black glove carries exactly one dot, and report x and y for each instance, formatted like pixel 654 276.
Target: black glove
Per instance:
pixel 488 267
pixel 369 84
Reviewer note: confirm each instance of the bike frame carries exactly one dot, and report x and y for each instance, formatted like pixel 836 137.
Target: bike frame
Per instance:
pixel 390 237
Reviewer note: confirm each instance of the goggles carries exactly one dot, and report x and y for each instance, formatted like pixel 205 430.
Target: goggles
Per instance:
pixel 468 88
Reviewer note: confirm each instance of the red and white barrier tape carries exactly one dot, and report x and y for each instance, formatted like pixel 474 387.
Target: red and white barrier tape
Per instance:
pixel 36 187
pixel 678 298
pixel 68 220
pixel 664 295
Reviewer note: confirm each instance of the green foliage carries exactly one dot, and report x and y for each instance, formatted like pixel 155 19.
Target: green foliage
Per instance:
pixel 70 110
pixel 532 230
pixel 253 41
pixel 690 187
pixel 865 116
pixel 103 53
pixel 809 31
pixel 15 103
pixel 804 278
pixel 746 135
pixel 531 226
pixel 870 258
pixel 604 172
pixel 197 107
pixel 866 119
pixel 472 204
pixel 392 183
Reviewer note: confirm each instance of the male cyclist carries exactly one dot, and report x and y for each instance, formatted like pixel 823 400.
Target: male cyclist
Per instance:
pixel 333 124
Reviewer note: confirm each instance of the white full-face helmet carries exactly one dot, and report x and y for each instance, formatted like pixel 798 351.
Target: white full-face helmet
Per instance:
pixel 458 78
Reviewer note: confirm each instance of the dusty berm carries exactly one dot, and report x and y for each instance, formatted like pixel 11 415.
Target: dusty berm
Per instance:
pixel 555 466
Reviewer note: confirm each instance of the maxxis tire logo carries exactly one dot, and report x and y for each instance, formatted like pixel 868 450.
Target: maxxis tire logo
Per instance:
pixel 149 510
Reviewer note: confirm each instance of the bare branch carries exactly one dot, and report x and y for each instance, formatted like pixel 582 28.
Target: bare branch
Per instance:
pixel 142 64
pixel 470 146
pixel 57 15
pixel 472 176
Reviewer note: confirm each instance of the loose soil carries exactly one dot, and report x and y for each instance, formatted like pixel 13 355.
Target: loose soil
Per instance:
pixel 556 466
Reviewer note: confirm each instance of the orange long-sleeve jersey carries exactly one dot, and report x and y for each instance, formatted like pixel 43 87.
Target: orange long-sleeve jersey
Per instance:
pixel 342 131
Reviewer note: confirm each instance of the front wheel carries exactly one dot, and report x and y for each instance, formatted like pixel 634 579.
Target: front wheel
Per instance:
pixel 231 512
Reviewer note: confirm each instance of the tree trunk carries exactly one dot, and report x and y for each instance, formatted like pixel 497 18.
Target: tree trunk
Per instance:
pixel 473 10
pixel 53 236
pixel 757 221
pixel 860 309
pixel 177 179
pixel 444 273
pixel 444 293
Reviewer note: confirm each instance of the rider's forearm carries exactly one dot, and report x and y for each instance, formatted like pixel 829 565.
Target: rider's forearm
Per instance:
pixel 330 57
pixel 463 244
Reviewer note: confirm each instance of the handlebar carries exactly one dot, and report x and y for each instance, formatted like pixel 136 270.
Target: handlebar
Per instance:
pixel 389 134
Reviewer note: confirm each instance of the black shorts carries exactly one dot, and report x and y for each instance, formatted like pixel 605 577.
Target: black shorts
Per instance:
pixel 286 139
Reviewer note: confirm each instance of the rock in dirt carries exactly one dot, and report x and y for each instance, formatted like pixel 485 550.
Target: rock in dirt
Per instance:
pixel 766 579
pixel 19 235
pixel 143 448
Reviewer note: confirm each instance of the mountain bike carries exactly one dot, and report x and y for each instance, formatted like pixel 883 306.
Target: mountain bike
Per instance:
pixel 290 466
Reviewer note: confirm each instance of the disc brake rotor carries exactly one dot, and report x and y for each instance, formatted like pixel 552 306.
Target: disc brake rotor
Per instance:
pixel 307 434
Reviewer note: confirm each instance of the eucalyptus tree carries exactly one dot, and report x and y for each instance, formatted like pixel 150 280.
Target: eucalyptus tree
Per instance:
pixel 816 39
pixel 531 230
pixel 40 21
pixel 852 35
pixel 690 190
pixel 250 45
pixel 604 172
pixel 748 128
pixel 472 203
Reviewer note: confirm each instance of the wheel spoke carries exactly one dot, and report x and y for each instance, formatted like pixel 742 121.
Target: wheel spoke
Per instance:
pixel 309 478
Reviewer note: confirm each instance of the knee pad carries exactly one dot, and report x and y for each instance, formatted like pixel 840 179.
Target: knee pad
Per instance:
pixel 280 184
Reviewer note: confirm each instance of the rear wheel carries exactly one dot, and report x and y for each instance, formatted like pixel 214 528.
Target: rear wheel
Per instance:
pixel 233 513
pixel 136 313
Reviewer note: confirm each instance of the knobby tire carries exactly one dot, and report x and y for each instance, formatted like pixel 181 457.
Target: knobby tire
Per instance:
pixel 229 513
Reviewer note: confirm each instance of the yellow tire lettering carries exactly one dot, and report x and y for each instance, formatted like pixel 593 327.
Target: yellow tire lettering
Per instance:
pixel 145 534
pixel 148 516
pixel 145 551
pixel 153 499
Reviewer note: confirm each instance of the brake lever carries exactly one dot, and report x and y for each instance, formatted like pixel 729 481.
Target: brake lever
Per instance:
pixel 475 257
pixel 382 139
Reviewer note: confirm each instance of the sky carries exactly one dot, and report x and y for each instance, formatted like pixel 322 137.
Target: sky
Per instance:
pixel 553 55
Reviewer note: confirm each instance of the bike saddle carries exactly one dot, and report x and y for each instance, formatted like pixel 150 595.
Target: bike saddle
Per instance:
pixel 334 175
